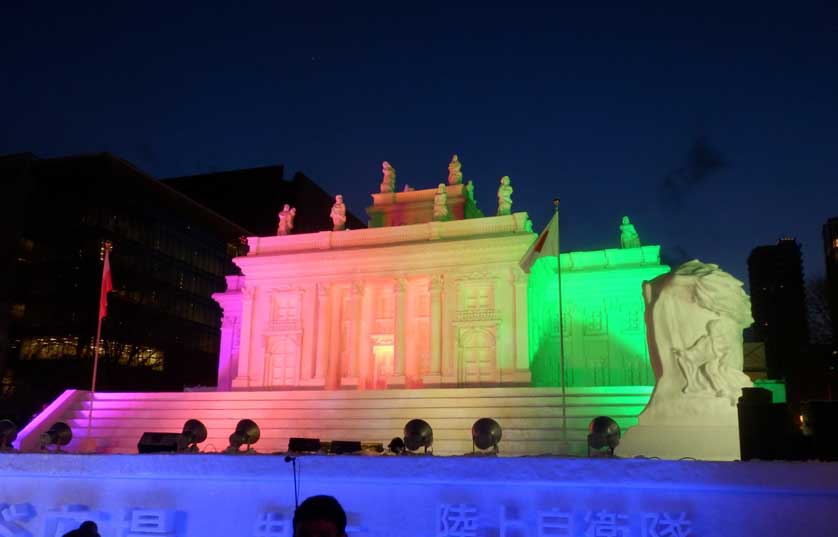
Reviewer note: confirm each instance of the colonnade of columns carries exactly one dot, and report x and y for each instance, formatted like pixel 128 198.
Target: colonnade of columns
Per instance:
pixel 332 346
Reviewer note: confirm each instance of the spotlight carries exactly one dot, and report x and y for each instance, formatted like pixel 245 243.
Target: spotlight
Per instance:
pixel 246 434
pixel 8 434
pixel 58 435
pixel 396 446
pixel 485 434
pixel 194 432
pixel 603 432
pixel 417 433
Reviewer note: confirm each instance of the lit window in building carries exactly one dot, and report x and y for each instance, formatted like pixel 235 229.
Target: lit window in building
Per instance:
pixel 54 348
pixel 18 310
pixel 835 243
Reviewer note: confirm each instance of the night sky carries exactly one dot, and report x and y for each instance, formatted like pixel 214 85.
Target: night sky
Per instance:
pixel 714 128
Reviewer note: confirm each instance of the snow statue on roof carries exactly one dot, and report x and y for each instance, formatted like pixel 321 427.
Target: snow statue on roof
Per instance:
pixel 455 174
pixel 441 204
pixel 286 220
pixel 388 182
pixel 628 234
pixel 338 214
pixel 470 209
pixel 694 321
pixel 504 196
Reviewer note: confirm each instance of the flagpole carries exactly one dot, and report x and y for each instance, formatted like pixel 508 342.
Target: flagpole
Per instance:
pixel 89 444
pixel 561 328
pixel 95 370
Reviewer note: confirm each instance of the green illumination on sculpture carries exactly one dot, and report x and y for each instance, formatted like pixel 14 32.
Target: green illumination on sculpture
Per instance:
pixel 603 325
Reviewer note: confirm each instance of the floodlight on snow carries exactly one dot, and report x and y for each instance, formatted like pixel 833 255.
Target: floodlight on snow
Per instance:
pixel 246 434
pixel 396 446
pixel 8 434
pixel 603 432
pixel 418 434
pixel 485 434
pixel 58 435
pixel 194 432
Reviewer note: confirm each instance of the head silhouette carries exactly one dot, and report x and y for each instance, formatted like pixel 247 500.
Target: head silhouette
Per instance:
pixel 320 516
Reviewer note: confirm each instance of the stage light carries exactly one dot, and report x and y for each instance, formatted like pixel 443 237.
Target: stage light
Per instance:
pixel 246 434
pixel 58 435
pixel 396 446
pixel 194 432
pixel 485 434
pixel 417 433
pixel 8 434
pixel 603 432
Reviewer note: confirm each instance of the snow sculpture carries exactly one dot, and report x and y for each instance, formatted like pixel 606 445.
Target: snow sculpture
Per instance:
pixel 286 220
pixel 628 234
pixel 338 214
pixel 694 321
pixel 455 174
pixel 504 196
pixel 388 182
pixel 470 209
pixel 441 203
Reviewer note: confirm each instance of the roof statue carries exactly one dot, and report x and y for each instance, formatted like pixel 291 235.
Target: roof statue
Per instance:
pixel 504 196
pixel 338 214
pixel 470 209
pixel 455 174
pixel 441 204
pixel 286 220
pixel 628 234
pixel 388 182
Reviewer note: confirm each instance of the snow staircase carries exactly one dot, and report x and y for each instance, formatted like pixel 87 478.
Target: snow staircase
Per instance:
pixel 531 418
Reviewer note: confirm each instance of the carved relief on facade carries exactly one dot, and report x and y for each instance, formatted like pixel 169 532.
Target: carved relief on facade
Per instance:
pixel 596 320
pixel 476 301
pixel 285 311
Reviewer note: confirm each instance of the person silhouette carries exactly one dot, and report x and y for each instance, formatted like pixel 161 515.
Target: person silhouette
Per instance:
pixel 88 528
pixel 320 516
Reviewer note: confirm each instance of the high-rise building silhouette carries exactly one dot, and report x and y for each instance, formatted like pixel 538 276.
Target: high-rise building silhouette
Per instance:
pixel 830 246
pixel 169 255
pixel 252 198
pixel 778 304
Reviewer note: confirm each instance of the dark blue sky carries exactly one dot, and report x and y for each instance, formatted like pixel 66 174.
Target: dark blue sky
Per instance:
pixel 597 106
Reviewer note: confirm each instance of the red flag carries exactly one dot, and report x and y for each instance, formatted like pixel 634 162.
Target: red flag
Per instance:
pixel 107 286
pixel 547 245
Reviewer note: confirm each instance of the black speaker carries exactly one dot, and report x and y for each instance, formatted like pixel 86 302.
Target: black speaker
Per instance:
pixel 344 446
pixel 766 429
pixel 304 445
pixel 820 425
pixel 161 443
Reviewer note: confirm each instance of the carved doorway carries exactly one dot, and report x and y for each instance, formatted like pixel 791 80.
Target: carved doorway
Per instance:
pixel 477 356
pixel 284 359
